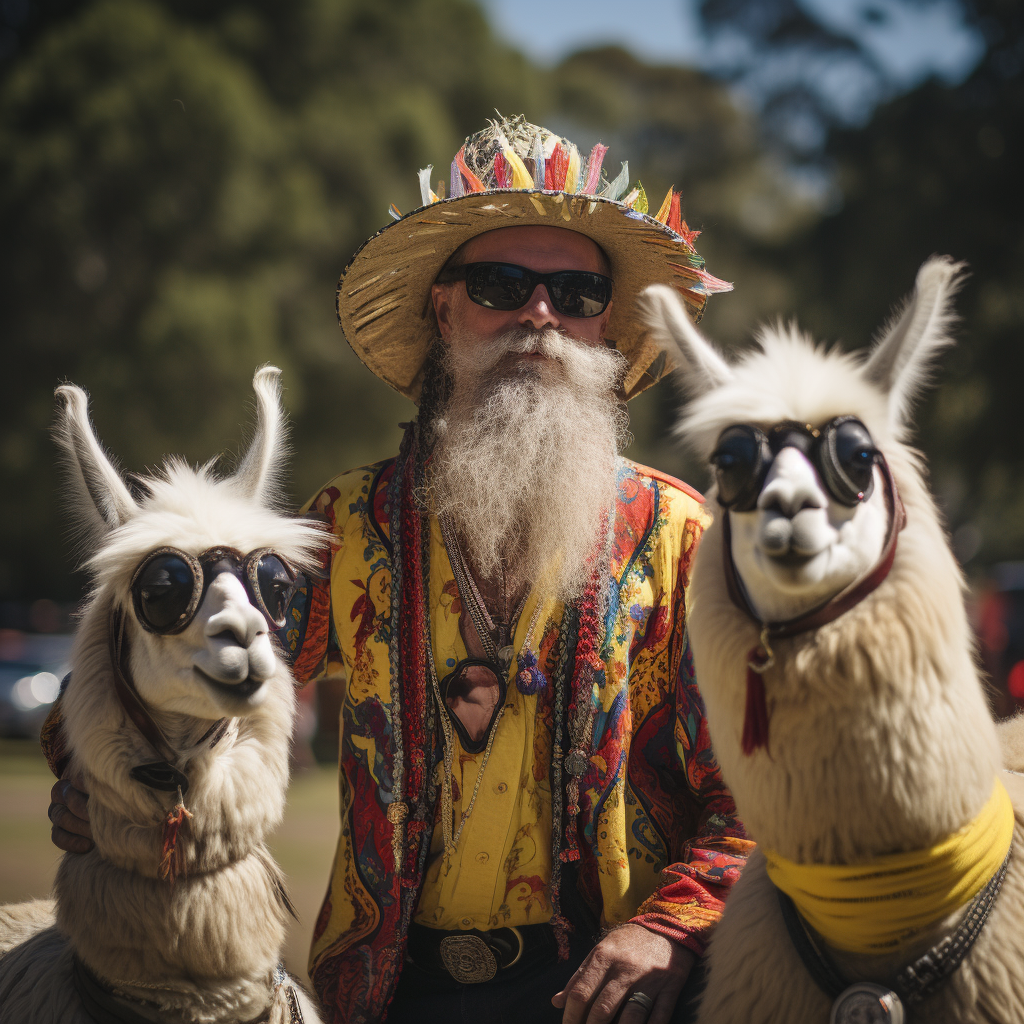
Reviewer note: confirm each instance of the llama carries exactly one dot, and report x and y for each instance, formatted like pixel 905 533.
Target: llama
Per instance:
pixel 178 717
pixel 844 705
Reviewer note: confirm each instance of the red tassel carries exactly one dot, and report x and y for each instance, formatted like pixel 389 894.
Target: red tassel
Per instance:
pixel 555 168
pixel 170 855
pixel 502 177
pixel 755 718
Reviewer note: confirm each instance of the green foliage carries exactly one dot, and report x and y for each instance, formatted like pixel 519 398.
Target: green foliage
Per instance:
pixel 181 184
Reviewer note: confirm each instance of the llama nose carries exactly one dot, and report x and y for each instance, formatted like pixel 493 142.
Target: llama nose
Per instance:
pixel 792 486
pixel 232 619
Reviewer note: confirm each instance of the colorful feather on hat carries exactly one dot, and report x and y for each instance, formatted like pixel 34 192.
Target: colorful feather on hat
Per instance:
pixel 472 182
pixel 456 189
pixel 395 212
pixel 572 174
pixel 666 207
pixel 537 158
pixel 593 178
pixel 555 168
pixel 521 177
pixel 618 184
pixel 427 194
pixel 502 173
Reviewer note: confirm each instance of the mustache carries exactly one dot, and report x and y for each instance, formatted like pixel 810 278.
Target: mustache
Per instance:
pixel 547 342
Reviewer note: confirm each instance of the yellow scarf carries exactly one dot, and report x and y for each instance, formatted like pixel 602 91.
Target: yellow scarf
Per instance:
pixel 874 906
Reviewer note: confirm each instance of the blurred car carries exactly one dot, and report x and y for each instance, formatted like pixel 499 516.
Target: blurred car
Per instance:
pixel 1001 633
pixel 31 669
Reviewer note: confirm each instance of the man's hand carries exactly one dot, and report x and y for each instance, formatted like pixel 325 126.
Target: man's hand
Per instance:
pixel 69 815
pixel 628 959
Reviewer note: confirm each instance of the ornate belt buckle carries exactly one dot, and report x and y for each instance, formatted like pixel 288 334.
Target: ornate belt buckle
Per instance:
pixel 468 959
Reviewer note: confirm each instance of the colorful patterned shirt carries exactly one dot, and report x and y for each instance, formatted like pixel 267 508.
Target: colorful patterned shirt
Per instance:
pixel 658 830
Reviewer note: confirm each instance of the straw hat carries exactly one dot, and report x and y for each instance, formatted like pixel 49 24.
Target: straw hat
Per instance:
pixel 516 173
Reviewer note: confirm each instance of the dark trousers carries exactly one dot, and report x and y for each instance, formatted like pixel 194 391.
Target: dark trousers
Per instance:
pixel 515 996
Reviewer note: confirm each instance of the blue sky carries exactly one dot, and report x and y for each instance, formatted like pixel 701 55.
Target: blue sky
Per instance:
pixel 913 41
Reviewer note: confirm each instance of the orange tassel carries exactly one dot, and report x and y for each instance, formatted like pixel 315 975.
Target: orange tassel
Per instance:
pixel 473 183
pixel 170 855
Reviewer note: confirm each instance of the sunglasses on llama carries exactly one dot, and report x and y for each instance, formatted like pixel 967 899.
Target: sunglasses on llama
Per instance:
pixel 168 586
pixel 842 452
pixel 505 286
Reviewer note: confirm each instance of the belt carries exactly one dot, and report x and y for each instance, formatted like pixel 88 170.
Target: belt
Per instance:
pixel 471 957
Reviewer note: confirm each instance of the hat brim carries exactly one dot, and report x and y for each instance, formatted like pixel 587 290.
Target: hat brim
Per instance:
pixel 383 299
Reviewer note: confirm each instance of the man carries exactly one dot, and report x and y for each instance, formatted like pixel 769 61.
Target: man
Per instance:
pixel 533 825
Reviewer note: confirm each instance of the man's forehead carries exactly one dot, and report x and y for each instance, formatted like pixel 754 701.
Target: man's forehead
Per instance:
pixel 539 248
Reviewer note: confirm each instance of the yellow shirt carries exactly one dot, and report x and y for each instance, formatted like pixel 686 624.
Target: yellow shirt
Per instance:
pixel 658 803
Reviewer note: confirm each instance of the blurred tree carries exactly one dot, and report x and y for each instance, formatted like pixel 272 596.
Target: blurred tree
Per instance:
pixel 935 170
pixel 180 185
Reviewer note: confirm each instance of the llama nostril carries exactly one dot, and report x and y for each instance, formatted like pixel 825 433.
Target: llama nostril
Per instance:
pixel 229 636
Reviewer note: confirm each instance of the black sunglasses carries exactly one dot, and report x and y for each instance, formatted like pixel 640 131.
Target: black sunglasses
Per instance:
pixel 168 586
pixel 505 286
pixel 842 451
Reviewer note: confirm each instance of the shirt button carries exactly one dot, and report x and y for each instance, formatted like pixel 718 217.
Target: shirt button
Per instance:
pixel 467 922
pixel 502 787
pixel 483 858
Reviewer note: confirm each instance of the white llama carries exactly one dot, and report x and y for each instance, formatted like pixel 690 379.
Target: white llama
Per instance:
pixel 178 716
pixel 843 700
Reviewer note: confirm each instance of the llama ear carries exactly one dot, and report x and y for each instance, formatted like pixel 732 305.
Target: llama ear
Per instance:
pixel 699 366
pixel 258 473
pixel 101 499
pixel 906 347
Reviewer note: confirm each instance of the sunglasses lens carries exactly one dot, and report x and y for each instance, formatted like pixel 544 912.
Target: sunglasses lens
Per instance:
pixel 737 462
pixel 163 591
pixel 579 294
pixel 498 286
pixel 276 584
pixel 855 455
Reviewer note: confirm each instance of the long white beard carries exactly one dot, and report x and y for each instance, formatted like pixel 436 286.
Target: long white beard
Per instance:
pixel 524 459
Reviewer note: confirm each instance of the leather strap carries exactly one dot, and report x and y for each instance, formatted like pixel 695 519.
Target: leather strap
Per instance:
pixel 163 775
pixel 132 703
pixel 841 602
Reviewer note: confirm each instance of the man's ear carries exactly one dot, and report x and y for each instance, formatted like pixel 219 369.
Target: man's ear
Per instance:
pixel 441 297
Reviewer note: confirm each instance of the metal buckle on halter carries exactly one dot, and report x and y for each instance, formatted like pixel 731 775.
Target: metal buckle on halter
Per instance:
pixel 470 960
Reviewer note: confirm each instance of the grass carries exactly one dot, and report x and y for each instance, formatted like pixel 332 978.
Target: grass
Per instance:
pixel 303 845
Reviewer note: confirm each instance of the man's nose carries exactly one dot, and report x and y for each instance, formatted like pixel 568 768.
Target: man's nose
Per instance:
pixel 538 311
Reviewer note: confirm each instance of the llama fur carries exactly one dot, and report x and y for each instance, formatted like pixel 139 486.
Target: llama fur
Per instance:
pixel 880 739
pixel 203 948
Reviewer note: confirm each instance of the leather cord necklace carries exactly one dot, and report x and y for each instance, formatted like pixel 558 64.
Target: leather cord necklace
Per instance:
pixel 762 657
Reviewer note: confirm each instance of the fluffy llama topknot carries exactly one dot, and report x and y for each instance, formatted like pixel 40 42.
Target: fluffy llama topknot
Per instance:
pixel 787 377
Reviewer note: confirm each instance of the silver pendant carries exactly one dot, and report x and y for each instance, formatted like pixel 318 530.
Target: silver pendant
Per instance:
pixel 505 657
pixel 576 763
pixel 867 1003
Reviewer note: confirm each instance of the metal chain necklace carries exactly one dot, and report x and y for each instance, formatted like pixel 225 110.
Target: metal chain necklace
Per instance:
pixel 496 637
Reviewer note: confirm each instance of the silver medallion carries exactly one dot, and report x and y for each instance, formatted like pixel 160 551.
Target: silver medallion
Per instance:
pixel 576 763
pixel 505 657
pixel 867 1003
